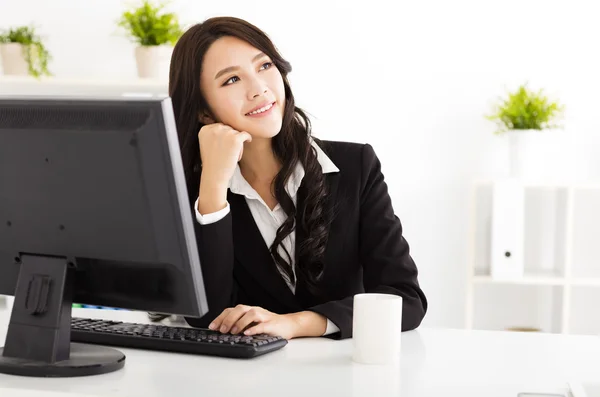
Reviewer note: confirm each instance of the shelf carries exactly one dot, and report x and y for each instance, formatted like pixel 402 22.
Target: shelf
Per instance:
pixel 24 85
pixel 531 277
pixel 60 81
pixel 585 282
pixel 525 280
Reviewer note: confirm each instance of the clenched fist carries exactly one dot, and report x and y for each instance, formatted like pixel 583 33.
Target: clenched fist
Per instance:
pixel 221 148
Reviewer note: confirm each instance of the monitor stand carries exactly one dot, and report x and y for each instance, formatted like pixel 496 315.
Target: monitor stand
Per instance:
pixel 38 342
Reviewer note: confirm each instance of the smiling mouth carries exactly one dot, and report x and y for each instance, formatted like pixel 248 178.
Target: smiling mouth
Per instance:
pixel 263 110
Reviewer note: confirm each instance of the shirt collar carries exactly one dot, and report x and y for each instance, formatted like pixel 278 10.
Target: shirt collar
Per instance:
pixel 239 185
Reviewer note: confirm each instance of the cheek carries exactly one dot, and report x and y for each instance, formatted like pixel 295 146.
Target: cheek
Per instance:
pixel 279 88
pixel 227 107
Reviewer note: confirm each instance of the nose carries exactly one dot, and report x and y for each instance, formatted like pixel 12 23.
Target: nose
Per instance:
pixel 257 88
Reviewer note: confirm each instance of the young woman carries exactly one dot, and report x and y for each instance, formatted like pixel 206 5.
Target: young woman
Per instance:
pixel 289 228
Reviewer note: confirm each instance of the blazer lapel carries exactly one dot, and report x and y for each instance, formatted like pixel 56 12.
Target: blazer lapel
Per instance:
pixel 252 252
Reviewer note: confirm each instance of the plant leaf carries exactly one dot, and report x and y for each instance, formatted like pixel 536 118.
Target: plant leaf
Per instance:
pixel 148 25
pixel 525 110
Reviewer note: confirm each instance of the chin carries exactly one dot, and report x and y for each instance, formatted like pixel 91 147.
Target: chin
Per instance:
pixel 268 130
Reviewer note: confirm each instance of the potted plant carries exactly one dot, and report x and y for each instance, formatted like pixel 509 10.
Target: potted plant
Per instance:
pixel 524 114
pixel 23 52
pixel 150 27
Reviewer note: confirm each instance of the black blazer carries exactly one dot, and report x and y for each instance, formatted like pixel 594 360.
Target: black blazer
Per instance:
pixel 366 251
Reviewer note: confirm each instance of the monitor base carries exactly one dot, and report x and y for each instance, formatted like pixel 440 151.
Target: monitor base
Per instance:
pixel 84 360
pixel 38 340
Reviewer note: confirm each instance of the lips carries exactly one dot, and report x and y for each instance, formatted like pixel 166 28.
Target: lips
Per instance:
pixel 266 106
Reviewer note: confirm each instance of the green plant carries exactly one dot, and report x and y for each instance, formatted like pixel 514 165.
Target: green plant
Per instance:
pixel 148 25
pixel 525 109
pixel 35 53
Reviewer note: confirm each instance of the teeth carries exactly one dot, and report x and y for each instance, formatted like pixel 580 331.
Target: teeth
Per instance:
pixel 264 109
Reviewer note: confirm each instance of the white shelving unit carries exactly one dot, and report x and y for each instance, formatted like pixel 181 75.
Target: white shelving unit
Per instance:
pixel 561 280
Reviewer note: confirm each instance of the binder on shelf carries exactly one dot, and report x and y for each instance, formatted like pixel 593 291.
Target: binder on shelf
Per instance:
pixel 507 231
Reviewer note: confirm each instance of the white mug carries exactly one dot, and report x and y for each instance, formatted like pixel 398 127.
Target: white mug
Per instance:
pixel 377 328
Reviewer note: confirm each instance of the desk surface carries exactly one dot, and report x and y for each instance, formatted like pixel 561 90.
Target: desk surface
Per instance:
pixel 434 362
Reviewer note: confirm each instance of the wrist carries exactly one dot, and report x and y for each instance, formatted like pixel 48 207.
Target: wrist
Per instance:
pixel 308 324
pixel 212 196
pixel 213 183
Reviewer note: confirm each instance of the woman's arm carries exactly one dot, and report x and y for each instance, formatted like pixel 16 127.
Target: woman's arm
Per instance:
pixel 215 247
pixel 220 150
pixel 384 254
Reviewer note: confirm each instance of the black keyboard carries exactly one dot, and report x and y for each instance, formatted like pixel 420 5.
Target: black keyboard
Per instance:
pixel 172 339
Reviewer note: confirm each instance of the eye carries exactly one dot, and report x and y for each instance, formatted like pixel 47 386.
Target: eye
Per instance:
pixel 231 81
pixel 267 64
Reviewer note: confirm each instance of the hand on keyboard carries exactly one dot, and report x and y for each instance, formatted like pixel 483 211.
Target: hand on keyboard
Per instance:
pixel 253 320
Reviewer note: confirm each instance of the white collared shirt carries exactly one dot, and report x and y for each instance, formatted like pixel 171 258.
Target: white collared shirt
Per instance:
pixel 269 221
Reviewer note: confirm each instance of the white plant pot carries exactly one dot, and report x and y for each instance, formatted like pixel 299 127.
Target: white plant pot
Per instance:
pixel 13 59
pixel 148 61
pixel 538 154
pixel 516 166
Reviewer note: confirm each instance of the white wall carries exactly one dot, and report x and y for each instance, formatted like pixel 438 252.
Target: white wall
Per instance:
pixel 413 78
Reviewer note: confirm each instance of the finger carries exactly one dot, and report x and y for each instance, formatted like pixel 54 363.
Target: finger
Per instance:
pixel 243 136
pixel 216 323
pixel 233 316
pixel 260 328
pixel 241 154
pixel 252 316
pixel 227 129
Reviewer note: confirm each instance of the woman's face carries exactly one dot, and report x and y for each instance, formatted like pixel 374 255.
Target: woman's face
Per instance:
pixel 243 88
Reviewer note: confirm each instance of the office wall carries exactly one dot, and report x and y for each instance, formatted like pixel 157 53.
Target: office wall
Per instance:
pixel 413 78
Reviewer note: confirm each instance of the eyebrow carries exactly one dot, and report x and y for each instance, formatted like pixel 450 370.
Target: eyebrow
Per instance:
pixel 232 68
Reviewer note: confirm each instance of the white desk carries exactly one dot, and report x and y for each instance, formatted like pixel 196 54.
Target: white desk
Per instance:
pixel 434 363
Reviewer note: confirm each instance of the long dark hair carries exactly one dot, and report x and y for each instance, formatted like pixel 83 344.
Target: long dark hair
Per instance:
pixel 292 144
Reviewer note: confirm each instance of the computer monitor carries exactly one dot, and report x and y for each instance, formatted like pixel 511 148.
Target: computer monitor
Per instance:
pixel 93 209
